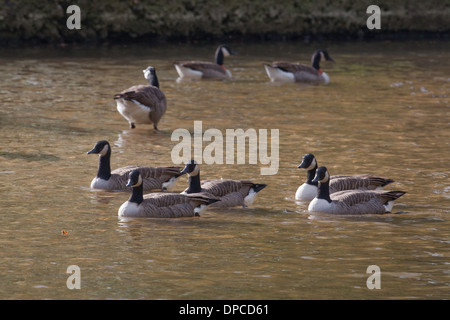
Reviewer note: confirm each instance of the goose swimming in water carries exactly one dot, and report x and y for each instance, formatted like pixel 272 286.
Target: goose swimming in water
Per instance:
pixel 161 205
pixel 143 104
pixel 197 70
pixel 154 178
pixel 308 190
pixel 350 201
pixel 282 71
pixel 231 193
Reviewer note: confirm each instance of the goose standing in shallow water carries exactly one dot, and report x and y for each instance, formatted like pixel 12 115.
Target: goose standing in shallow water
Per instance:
pixel 350 201
pixel 155 178
pixel 196 70
pixel 308 190
pixel 161 205
pixel 143 104
pixel 283 71
pixel 231 193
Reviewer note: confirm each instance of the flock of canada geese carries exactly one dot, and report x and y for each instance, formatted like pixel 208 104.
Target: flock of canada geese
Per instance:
pixel 146 104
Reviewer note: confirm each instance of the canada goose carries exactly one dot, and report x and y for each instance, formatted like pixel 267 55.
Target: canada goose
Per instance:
pixel 155 178
pixel 295 72
pixel 231 192
pixel 308 190
pixel 196 70
pixel 143 104
pixel 161 205
pixel 350 201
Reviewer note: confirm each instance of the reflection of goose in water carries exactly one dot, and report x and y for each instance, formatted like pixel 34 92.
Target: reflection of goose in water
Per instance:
pixel 129 138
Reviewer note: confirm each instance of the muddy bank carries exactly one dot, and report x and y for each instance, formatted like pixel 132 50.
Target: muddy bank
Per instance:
pixel 33 22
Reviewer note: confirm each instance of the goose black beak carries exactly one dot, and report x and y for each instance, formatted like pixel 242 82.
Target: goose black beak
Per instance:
pixel 315 180
pixel 184 171
pixel 301 165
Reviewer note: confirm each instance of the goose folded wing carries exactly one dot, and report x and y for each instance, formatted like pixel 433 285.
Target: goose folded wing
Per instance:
pixel 162 173
pixel 175 205
pixel 294 67
pixel 354 197
pixel 204 67
pixel 221 188
pixel 173 211
pixel 144 94
pixel 149 172
pixel 351 182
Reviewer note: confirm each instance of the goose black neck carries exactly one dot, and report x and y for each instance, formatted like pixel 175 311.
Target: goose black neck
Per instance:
pixel 153 80
pixel 324 191
pixel 137 195
pixel 104 166
pixel 310 176
pixel 194 184
pixel 316 61
pixel 219 57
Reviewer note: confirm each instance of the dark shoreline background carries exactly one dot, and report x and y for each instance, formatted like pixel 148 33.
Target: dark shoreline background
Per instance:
pixel 26 22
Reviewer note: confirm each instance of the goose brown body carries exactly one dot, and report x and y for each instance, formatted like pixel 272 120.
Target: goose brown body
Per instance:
pixel 361 181
pixel 297 72
pixel 231 193
pixel 308 190
pixel 208 70
pixel 165 205
pixel 300 72
pixel 351 201
pixel 192 69
pixel 161 205
pixel 143 104
pixel 153 177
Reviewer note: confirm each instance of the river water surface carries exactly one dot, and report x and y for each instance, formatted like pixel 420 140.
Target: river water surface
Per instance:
pixel 385 111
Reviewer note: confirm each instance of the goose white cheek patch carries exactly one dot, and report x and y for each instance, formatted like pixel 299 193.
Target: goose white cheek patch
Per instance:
pixel 104 150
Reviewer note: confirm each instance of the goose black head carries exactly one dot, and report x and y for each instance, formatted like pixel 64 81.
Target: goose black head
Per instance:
pixel 318 56
pixel 325 56
pixel 191 168
pixel 134 178
pixel 150 75
pixel 308 162
pixel 149 71
pixel 322 175
pixel 223 51
pixel 102 148
pixel 226 50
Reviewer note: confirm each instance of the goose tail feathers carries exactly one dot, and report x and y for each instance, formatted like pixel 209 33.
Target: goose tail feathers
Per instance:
pixel 387 181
